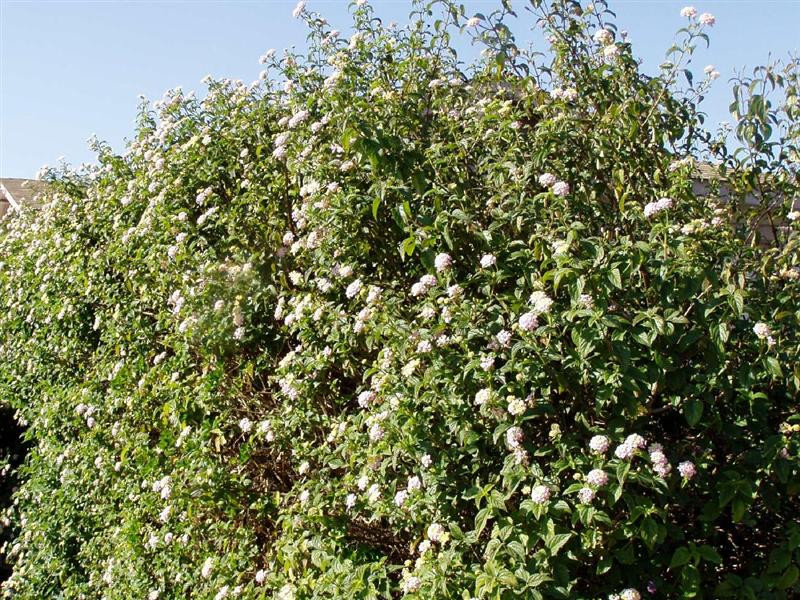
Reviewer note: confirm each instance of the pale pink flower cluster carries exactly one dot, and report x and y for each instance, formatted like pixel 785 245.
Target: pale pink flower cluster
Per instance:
pixel 474 21
pixel 761 330
pixel 207 568
pixel 604 37
pixel 423 286
pixel 483 396
pixel 354 40
pixel 374 294
pixel 163 487
pixel 528 321
pixel 504 338
pixel 288 388
pixel 376 432
pixel 660 461
pixel 707 19
pixel 362 317
pixel 653 208
pixel 412 584
pixel 568 94
pixel 599 444
pixel 267 56
pixel 298 118
pixel 374 493
pixel 353 289
pixel 547 179
pixel 298 10
pixel 436 532
pixel 516 406
pixel 586 495
pixel 540 494
pixel 488 260
pixel 366 398
pixel 400 497
pixel 347 166
pixel 687 469
pixel 711 72
pixel 611 51
pixel 521 456
pixel 597 477
pixel 629 447
pixel 514 437
pixel 690 12
pixel 87 411
pixel 559 188
pixel 540 302
pixel 443 262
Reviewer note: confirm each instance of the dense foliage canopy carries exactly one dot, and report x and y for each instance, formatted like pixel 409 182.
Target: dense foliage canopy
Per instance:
pixel 384 324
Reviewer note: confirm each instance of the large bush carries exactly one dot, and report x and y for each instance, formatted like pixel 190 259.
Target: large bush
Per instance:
pixel 384 324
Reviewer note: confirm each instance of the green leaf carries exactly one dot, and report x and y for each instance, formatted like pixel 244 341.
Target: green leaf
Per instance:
pixel 622 470
pixel 680 557
pixel 555 542
pixel 615 278
pixel 710 555
pixel 693 411
pixel 773 366
pixel 789 578
pixel 538 579
pixel 481 518
pixel 690 581
pixel 738 508
pixel 604 564
pixel 517 549
pixel 375 204
pixel 649 532
pixel 409 244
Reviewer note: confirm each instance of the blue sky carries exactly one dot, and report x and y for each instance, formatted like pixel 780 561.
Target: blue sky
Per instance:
pixel 72 69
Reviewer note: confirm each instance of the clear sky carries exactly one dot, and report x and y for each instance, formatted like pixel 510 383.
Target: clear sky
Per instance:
pixel 71 69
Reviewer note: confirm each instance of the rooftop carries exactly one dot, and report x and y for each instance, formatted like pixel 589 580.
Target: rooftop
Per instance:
pixel 20 192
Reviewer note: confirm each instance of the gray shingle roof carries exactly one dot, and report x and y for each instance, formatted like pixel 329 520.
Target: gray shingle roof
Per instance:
pixel 20 192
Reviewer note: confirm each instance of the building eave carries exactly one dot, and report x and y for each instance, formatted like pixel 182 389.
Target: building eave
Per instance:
pixel 8 196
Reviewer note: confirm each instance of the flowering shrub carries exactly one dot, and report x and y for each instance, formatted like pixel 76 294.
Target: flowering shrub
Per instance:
pixel 383 325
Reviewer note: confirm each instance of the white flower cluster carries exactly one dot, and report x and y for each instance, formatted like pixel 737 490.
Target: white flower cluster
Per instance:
pixel 626 594
pixel 763 332
pixel 423 286
pixel 651 209
pixel 559 188
pixel 568 94
pixel 628 448
pixel 661 465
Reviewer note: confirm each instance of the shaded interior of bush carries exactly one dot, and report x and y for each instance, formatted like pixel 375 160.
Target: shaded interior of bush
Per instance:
pixel 12 449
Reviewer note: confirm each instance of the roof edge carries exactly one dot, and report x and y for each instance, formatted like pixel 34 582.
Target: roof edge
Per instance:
pixel 11 200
